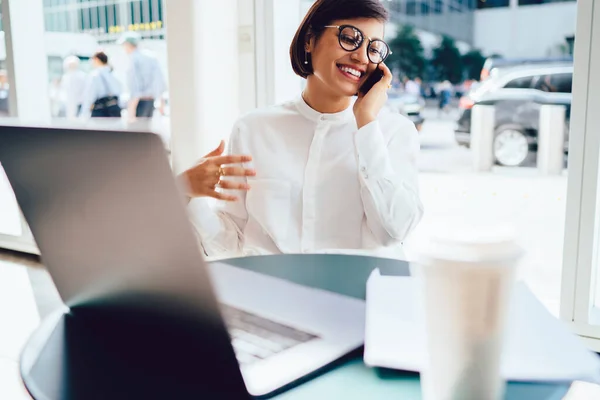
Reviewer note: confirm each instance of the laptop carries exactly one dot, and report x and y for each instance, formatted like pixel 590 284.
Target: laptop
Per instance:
pixel 114 234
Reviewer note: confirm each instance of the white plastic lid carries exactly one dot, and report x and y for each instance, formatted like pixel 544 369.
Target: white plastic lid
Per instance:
pixel 469 243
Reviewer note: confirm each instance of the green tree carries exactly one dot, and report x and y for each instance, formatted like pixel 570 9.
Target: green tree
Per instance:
pixel 407 53
pixel 473 63
pixel 447 61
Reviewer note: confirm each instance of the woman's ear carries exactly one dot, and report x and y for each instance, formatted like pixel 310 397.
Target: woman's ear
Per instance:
pixel 308 41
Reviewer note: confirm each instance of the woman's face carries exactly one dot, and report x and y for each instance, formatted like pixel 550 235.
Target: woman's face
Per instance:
pixel 337 68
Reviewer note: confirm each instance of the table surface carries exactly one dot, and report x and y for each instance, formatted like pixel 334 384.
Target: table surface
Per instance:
pixel 348 378
pixel 351 378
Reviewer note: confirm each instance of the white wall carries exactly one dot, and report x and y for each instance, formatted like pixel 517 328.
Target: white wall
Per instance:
pixel 526 31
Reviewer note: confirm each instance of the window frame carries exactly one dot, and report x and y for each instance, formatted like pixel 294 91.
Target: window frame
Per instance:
pixel 580 256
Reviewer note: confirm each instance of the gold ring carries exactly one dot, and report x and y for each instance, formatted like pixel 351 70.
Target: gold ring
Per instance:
pixel 220 172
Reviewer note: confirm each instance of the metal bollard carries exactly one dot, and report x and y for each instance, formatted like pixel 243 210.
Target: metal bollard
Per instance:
pixel 483 122
pixel 551 139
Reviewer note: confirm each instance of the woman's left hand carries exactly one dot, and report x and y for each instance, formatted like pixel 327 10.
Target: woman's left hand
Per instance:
pixel 368 105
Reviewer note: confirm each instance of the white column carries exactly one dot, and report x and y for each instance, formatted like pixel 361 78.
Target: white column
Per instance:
pixel 247 56
pixel 26 60
pixel 482 137
pixel 264 50
pixel 551 139
pixel 202 48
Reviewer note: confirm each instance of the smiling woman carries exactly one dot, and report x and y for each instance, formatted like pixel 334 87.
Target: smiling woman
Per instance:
pixel 331 170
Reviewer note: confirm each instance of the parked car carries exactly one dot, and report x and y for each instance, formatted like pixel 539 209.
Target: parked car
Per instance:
pixel 517 95
pixel 409 105
pixel 492 64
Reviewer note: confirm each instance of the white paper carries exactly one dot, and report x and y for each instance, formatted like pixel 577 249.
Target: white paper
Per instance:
pixel 538 346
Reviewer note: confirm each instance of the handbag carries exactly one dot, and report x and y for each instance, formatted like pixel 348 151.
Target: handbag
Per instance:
pixel 106 105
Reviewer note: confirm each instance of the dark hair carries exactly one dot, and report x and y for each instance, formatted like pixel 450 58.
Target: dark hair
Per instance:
pixel 322 13
pixel 102 57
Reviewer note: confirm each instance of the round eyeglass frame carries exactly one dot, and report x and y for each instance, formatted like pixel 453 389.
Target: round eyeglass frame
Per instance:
pixel 340 28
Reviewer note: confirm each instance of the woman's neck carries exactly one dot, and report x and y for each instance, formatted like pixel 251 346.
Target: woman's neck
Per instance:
pixel 322 100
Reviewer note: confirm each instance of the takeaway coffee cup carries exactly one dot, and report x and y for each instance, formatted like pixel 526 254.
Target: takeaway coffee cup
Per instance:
pixel 467 276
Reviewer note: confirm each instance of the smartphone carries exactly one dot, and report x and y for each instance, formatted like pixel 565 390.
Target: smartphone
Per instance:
pixel 371 80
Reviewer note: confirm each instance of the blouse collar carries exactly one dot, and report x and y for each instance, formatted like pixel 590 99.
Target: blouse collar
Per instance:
pixel 316 116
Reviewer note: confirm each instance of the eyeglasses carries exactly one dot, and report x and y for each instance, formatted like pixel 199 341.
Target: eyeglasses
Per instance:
pixel 351 38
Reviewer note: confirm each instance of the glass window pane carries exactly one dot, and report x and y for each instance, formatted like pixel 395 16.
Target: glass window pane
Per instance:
pixel 563 82
pixel 555 83
pixel 455 41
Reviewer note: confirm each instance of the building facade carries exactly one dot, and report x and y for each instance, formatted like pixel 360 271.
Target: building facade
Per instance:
pixel 525 28
pixel 454 18
pixel 106 19
pixel 493 26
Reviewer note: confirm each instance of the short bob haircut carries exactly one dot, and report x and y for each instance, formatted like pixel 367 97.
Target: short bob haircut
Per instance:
pixel 102 57
pixel 322 13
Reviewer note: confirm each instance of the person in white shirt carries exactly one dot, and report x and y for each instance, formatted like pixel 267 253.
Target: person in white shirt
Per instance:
pixel 413 86
pixel 327 173
pixel 72 86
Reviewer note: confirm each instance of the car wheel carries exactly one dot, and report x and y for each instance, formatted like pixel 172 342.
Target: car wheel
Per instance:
pixel 511 148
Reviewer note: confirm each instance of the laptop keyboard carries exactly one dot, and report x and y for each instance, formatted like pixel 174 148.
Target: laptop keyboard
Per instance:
pixel 255 338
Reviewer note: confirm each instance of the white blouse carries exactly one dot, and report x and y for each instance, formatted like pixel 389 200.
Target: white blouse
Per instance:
pixel 321 185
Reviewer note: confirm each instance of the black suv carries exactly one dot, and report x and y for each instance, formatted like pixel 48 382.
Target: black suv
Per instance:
pixel 517 95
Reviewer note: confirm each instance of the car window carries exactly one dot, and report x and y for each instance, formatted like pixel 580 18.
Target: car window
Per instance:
pixel 555 83
pixel 519 83
pixel 562 82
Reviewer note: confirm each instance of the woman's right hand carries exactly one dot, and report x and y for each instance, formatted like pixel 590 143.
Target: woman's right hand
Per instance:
pixel 203 179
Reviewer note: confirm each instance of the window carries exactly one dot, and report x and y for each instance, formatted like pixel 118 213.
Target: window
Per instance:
pixel 492 3
pixel 106 19
pixel 530 2
pixel 519 83
pixel 259 43
pixel 459 5
pixel 562 82
pixel 412 7
pixel 554 83
pixel 580 294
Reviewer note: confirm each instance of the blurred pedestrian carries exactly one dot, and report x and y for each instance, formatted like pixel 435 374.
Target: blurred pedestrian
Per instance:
pixel 412 87
pixel 145 80
pixel 102 91
pixel 72 86
pixel 445 91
